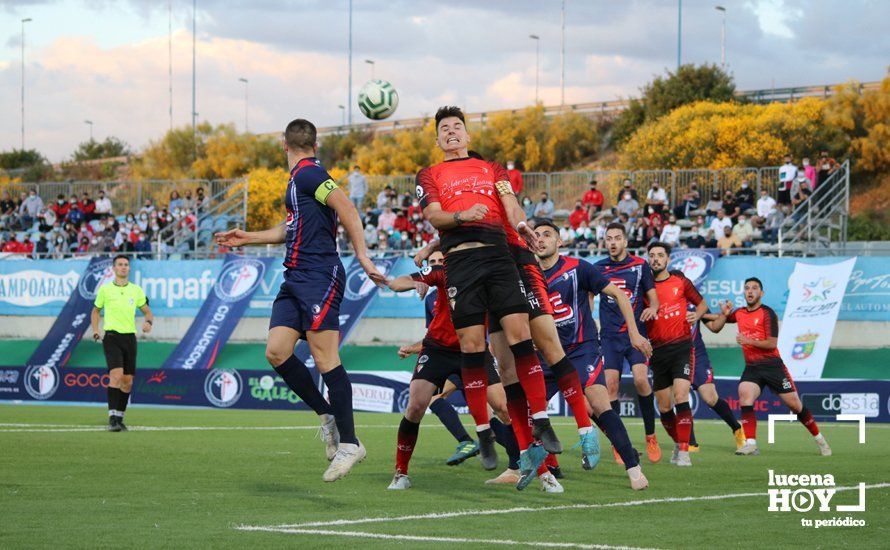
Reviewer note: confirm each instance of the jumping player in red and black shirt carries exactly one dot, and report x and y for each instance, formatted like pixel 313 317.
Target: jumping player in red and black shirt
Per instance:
pixel 673 357
pixel 467 200
pixel 308 304
pixel 758 336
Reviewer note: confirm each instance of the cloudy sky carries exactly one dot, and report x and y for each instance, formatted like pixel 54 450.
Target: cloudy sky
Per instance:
pixel 107 60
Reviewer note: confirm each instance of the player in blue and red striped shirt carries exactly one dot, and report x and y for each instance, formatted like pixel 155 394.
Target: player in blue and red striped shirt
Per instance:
pixel 571 283
pixel 633 275
pixel 308 304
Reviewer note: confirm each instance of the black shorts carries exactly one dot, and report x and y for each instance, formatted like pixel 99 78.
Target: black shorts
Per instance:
pixel 783 196
pixel 536 294
pixel 436 365
pixel 774 375
pixel 670 362
pixel 480 281
pixel 120 351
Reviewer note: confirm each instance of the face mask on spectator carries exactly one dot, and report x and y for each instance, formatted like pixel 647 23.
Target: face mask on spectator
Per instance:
pixel 404 236
pixel 60 201
pixel 744 185
pixel 627 196
pixel 143 217
pixel 95 240
pixel 526 201
pixel 415 217
pixel 806 162
pixel 155 227
pixel 741 220
pixel 60 240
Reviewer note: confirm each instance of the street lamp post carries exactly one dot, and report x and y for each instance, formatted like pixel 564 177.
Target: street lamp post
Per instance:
pixel 244 80
pixel 537 40
pixel 371 63
pixel 562 57
pixel 679 32
pixel 90 124
pixel 194 76
pixel 349 63
pixel 26 20
pixel 343 114
pixel 722 10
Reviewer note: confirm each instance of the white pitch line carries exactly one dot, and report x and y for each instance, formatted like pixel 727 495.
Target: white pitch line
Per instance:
pixel 418 538
pixel 499 511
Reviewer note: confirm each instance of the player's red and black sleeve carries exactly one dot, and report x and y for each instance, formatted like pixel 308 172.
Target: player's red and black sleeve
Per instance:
pixel 425 188
pixel 430 275
pixel 500 173
pixel 731 318
pixel 770 322
pixel 590 278
pixel 690 292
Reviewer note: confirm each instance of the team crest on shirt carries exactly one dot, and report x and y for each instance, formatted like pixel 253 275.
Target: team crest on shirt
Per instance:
pixel 419 191
pixel 132 302
pixel 452 291
pixel 316 309
pixel 426 270
pixel 422 359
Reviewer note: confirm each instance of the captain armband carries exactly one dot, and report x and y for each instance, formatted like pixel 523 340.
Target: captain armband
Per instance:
pixel 504 188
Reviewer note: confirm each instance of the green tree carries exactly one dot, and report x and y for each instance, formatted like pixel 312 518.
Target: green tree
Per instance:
pixel 20 158
pixel 689 84
pixel 92 149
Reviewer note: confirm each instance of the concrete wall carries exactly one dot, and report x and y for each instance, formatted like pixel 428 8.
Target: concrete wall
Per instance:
pixel 847 334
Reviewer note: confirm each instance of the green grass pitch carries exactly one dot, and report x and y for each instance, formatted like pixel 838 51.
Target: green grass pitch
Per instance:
pixel 188 478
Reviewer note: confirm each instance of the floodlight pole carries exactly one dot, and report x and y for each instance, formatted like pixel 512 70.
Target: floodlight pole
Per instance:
pixel 25 20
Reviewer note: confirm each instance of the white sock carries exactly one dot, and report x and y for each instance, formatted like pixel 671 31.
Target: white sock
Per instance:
pixel 482 427
pixel 541 414
pixel 751 441
pixel 587 430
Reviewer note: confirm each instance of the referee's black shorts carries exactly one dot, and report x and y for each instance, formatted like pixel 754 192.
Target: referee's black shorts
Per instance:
pixel 120 351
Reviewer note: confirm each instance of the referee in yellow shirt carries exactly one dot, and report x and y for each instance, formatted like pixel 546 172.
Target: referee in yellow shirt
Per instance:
pixel 120 299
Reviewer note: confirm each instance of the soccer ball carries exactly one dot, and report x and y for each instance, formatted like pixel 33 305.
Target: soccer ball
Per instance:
pixel 378 99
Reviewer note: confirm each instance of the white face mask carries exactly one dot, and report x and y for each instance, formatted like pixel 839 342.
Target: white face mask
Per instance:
pixel 741 220
pixel 627 197
pixel 744 186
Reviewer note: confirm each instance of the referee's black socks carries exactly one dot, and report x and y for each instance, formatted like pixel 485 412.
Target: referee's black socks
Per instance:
pixel 113 400
pixel 123 399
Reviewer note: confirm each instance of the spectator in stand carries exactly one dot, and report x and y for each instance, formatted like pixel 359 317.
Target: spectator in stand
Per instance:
pixel 656 198
pixel 713 205
pixel 342 240
pixel 370 235
pixel 691 201
pixel 744 231
pixel 386 198
pixel 103 205
pixel 567 234
pixel 199 195
pixel 774 222
pixel 7 210
pixel 544 208
pixel 148 207
pixel 711 239
pixel 593 200
pixel 801 181
pixel 12 246
pixel 766 205
pixel 187 201
pixel 625 220
pixel 41 247
pixel 382 241
pixel 730 206
pixel 637 237
pixel 88 206
pixel 586 235
pixel 83 246
pixel 371 217
pixel 825 167
pixel 745 197
pixel 403 241
pixel 670 233
pixel 60 207
pixel 721 222
pixel 143 222
pixel 358 187
pixel 142 247
pixel 728 241
pixel 528 207
pixel 60 246
pixel 628 205
pixel 401 222
pixel 787 175
pixel 515 177
pixel 809 171
pixel 799 204
pixel 75 214
pixel 415 210
pixel 653 233
pixel 628 188
pixel 387 219
pixel 578 215
pixel 175 200
pixel 695 240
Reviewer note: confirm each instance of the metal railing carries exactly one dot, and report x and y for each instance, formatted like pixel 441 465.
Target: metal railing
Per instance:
pixel 821 219
pixel 226 209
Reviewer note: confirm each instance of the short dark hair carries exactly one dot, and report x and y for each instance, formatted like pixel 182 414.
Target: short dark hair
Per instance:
pixel 545 222
pixel 300 134
pixel 754 280
pixel 120 257
pixel 618 226
pixel 449 111
pixel 592 182
pixel 659 244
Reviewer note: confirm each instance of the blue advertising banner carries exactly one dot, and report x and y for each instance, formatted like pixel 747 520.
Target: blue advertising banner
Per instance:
pixel 178 288
pixel 357 296
pixel 695 263
pixel 223 308
pixel 388 392
pixel 74 319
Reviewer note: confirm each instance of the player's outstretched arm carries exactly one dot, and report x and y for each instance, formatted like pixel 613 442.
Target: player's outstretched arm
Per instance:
pixel 719 321
pixel 351 221
pixel 637 340
pixel 402 283
pixel 238 237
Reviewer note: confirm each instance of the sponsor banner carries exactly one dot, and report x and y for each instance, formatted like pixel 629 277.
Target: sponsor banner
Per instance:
pixel 56 347
pixel 235 286
pixel 357 296
pixel 695 263
pixel 387 391
pixel 815 294
pixel 178 288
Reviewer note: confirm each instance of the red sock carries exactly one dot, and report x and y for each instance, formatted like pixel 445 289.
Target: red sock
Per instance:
pixel 531 377
pixel 517 407
pixel 684 425
pixel 405 448
pixel 570 386
pixel 749 421
pixel 475 379
pixel 669 421
pixel 551 461
pixel 806 418
pixel 542 469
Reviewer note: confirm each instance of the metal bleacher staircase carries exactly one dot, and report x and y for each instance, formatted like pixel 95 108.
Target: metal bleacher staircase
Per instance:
pixel 819 224
pixel 225 210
